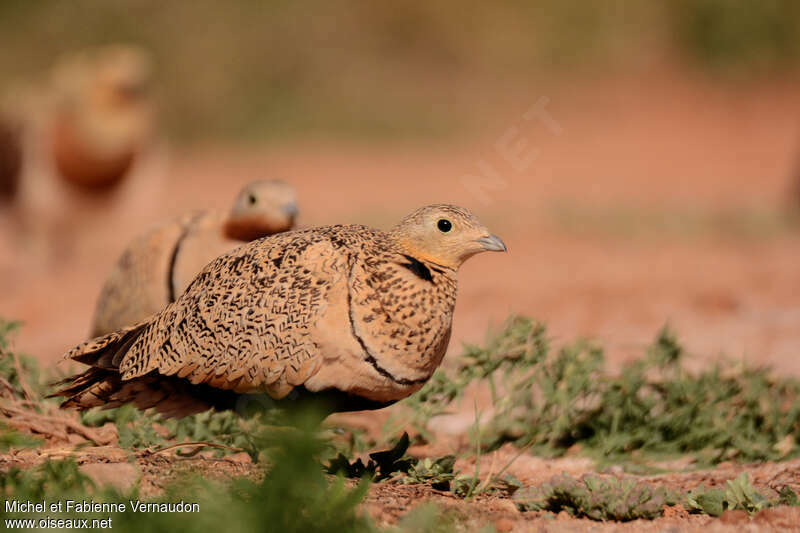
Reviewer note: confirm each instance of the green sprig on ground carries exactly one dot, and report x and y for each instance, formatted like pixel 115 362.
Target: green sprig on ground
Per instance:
pixel 597 498
pixel 551 400
pixel 623 499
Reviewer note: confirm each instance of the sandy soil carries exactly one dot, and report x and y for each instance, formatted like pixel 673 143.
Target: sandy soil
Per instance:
pixel 387 502
pixel 634 204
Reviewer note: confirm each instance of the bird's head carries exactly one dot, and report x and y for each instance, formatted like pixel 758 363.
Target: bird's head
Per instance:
pixel 262 208
pixel 445 235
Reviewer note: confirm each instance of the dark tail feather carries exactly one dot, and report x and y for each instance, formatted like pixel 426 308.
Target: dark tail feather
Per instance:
pixel 107 351
pixel 170 396
pixel 102 386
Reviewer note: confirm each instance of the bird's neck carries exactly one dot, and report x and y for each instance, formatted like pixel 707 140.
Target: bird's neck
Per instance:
pixel 409 248
pixel 248 229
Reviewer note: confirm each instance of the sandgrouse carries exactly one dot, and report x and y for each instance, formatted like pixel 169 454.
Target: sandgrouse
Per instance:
pixel 349 315
pixel 158 266
pixel 102 116
pixel 85 127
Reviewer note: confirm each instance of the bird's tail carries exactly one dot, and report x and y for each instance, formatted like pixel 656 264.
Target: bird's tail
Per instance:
pixel 106 351
pixel 101 385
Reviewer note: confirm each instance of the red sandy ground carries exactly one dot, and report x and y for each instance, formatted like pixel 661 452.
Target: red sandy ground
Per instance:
pixel 649 169
pixel 389 501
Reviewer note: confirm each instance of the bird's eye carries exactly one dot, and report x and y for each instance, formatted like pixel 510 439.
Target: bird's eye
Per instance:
pixel 444 225
pixel 251 199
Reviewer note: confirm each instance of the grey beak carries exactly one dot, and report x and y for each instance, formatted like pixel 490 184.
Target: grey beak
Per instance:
pixel 290 210
pixel 493 243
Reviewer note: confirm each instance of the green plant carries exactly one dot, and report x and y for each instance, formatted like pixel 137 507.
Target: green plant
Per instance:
pixel 437 472
pixel 521 345
pixel 551 401
pixel 51 478
pixel 597 498
pixel 395 464
pixel 11 438
pixel 381 465
pixel 738 493
pixel 611 498
pixel 19 373
pixel 139 430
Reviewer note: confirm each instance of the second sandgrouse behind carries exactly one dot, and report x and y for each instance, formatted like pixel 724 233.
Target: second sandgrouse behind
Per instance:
pixel 158 266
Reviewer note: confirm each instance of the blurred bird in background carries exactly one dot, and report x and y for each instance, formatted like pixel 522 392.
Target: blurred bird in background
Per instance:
pixel 87 131
pixel 157 266
pixel 102 115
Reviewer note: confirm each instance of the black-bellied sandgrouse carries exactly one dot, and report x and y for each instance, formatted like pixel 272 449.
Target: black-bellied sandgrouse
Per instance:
pixel 102 114
pixel 88 125
pixel 158 265
pixel 352 315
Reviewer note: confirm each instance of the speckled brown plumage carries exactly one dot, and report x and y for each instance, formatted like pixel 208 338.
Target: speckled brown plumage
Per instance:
pixel 139 285
pixel 158 266
pixel 358 311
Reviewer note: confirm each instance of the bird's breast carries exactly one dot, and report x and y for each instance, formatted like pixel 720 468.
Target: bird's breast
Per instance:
pixel 384 334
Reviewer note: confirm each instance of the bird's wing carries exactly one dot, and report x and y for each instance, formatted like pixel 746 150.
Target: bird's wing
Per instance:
pixel 137 286
pixel 201 244
pixel 245 322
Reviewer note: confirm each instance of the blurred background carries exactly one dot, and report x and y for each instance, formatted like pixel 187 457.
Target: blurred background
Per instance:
pixel 640 159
